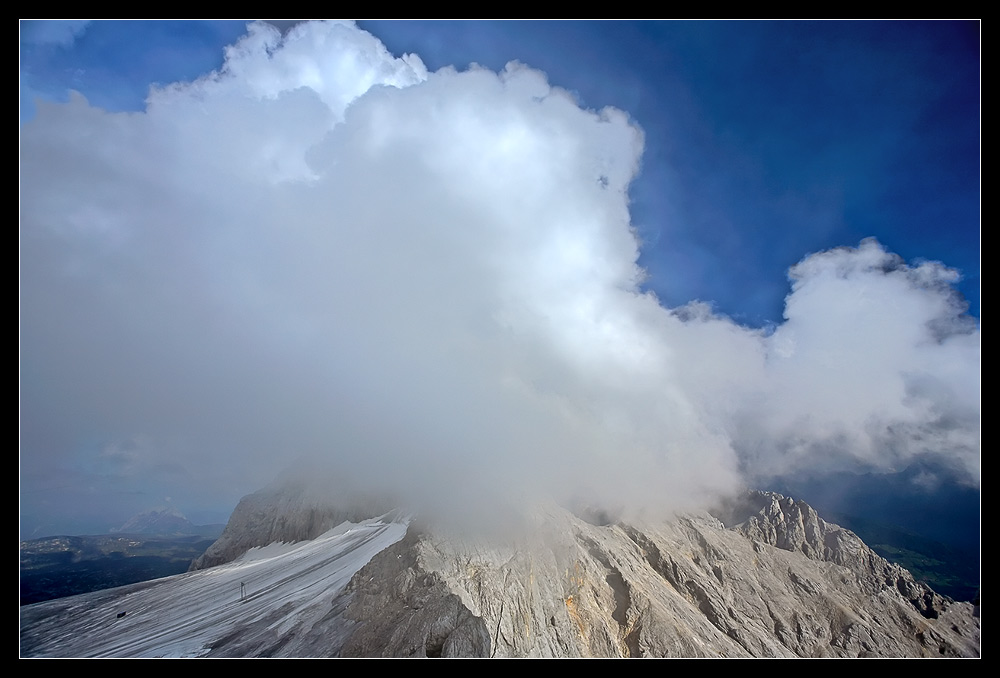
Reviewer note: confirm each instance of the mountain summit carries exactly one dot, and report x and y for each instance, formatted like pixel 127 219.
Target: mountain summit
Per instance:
pixel 764 577
pixel 163 520
pixel 779 581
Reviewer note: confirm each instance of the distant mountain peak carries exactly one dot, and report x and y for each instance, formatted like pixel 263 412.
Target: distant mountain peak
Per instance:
pixel 161 520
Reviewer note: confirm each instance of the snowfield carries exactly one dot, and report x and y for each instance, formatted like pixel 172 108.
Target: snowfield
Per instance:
pixel 280 588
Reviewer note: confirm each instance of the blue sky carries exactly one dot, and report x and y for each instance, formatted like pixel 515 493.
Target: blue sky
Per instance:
pixel 220 273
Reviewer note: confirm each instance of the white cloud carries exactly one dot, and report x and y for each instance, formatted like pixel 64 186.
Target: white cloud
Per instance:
pixel 430 279
pixel 876 362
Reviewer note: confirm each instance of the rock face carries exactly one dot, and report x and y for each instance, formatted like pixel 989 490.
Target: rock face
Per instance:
pixel 288 512
pixel 773 580
pixel 794 526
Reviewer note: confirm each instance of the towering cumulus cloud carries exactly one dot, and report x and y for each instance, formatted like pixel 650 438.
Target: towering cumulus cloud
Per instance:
pixel 877 362
pixel 429 280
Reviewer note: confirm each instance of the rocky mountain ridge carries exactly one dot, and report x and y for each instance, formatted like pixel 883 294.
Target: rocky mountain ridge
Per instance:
pixel 795 526
pixel 768 579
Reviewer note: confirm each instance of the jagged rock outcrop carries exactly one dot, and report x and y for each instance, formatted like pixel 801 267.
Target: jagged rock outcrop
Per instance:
pixel 795 526
pixel 780 582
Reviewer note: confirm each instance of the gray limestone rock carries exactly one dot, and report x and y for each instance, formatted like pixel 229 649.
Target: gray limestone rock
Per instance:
pixel 781 582
pixel 766 578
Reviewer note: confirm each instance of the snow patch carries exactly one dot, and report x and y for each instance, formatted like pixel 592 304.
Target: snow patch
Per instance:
pixel 183 615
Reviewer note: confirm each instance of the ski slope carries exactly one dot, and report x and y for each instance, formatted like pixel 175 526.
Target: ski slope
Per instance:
pixel 268 593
